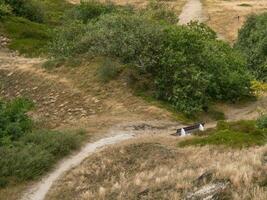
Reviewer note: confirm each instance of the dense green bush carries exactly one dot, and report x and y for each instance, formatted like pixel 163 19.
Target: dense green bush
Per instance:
pixel 26 153
pixel 252 41
pixel 14 121
pixel 30 9
pixel 187 65
pixel 262 122
pixel 44 148
pixel 5 9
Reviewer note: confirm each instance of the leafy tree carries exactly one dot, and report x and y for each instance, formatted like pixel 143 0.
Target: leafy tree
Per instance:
pixel 252 41
pixel 187 66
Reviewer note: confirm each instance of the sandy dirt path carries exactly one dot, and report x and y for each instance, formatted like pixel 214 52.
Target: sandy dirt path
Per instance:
pixel 192 11
pixel 39 191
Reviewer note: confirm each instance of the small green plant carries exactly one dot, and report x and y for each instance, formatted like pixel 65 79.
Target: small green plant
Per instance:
pixel 54 63
pixel 245 5
pixel 108 70
pixel 262 122
pixel 3 182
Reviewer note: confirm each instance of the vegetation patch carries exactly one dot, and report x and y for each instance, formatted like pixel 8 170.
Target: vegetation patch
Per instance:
pixel 252 41
pixel 26 152
pixel 186 66
pixel 27 37
pixel 108 70
pixel 231 134
pixel 245 5
pixel 29 24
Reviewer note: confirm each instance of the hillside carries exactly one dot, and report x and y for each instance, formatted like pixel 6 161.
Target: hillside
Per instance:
pixel 90 94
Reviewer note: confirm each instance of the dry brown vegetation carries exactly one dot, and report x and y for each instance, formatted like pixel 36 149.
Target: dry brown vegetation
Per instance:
pixel 154 168
pixel 222 15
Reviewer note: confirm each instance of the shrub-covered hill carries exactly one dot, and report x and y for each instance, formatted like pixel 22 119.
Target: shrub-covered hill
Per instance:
pixel 183 65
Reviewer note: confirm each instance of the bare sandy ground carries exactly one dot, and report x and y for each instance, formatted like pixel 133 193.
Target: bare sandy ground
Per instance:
pixel 192 11
pixel 227 17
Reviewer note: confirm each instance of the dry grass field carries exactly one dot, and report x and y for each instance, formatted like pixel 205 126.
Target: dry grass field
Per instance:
pixel 227 16
pixel 154 168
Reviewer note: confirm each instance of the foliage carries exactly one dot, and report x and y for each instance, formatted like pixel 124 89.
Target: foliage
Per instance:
pixel 252 41
pixel 258 87
pixel 29 38
pixel 231 134
pixel 19 139
pixel 5 9
pixel 30 9
pixel 187 65
pixel 44 148
pixel 262 122
pixel 88 10
pixel 14 121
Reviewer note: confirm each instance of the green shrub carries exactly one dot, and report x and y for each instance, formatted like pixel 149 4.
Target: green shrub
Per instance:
pixel 262 122
pixel 187 65
pixel 5 9
pixel 252 41
pixel 14 122
pixel 30 9
pixel 53 63
pixel 233 134
pixel 27 153
pixel 90 9
pixel 3 182
pixel 35 153
pixel 55 143
pixel 107 71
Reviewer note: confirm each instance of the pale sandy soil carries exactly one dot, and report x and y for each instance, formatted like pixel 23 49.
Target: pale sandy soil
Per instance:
pixel 222 15
pixel 192 11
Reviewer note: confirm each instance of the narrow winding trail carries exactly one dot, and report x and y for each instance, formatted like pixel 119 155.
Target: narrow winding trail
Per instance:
pixel 41 189
pixel 191 11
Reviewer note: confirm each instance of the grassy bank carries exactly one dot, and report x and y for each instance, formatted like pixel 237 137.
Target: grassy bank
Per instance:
pixel 31 30
pixel 230 134
pixel 26 150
